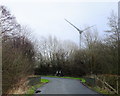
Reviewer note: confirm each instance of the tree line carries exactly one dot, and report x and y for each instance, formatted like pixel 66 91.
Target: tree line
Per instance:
pixel 17 52
pixel 97 56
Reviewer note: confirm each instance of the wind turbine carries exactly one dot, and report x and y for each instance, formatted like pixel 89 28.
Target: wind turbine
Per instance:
pixel 80 31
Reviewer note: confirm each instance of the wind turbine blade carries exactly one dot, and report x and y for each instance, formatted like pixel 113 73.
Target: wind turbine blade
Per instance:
pixel 88 28
pixel 73 26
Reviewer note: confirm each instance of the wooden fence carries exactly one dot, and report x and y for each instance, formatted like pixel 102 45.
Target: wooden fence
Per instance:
pixel 105 85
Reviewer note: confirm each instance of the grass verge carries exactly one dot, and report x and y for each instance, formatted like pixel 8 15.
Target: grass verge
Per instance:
pixel 98 89
pixel 81 79
pixel 32 89
pixel 44 80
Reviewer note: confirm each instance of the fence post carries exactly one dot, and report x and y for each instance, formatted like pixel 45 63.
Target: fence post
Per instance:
pixel 117 85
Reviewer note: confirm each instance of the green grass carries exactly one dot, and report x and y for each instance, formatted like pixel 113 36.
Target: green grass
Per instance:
pixel 100 90
pixel 44 80
pixel 32 89
pixel 81 79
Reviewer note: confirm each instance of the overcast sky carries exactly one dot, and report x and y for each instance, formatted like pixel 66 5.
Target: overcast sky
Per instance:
pixel 47 18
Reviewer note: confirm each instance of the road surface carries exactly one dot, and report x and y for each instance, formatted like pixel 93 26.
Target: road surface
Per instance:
pixel 65 86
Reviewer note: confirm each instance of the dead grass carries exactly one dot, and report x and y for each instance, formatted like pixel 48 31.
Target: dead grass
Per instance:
pixel 20 87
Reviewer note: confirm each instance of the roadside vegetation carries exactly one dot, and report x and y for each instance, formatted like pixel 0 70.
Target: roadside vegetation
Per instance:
pixel 33 88
pixel 81 79
pixel 44 81
pixel 17 53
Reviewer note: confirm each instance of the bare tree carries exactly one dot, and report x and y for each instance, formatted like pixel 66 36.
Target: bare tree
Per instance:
pixel 90 40
pixel 17 53
pixel 114 41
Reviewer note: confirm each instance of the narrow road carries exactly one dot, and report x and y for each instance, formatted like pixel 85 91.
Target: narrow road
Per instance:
pixel 65 86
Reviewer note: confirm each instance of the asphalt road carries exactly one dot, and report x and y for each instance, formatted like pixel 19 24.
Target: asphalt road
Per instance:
pixel 65 86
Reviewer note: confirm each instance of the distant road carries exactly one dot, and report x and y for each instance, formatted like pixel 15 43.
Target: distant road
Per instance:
pixel 65 86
